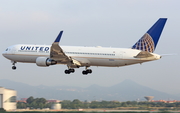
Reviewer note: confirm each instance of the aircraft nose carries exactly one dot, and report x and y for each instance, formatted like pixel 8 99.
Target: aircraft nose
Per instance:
pixel 4 53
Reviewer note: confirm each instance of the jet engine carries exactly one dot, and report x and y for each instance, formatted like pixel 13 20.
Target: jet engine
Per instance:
pixel 44 62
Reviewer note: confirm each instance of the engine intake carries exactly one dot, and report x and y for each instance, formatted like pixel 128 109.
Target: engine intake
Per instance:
pixel 44 62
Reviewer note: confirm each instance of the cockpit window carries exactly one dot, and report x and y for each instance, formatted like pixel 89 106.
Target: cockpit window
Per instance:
pixel 7 49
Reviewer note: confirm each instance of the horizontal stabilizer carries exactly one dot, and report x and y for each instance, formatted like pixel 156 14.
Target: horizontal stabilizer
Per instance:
pixel 143 54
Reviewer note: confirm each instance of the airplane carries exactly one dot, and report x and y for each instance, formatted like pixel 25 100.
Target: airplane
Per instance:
pixel 78 56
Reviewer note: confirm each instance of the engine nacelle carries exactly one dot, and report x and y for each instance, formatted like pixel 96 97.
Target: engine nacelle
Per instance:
pixel 44 62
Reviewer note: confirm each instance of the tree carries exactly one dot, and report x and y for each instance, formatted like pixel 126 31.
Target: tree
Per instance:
pixel 41 100
pixel 66 104
pixel 76 101
pixel 124 104
pixel 2 109
pixel 34 103
pixel 30 100
pixel 76 104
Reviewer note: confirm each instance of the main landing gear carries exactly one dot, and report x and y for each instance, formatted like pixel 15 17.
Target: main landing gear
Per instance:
pixel 13 63
pixel 84 72
pixel 68 71
pixel 87 71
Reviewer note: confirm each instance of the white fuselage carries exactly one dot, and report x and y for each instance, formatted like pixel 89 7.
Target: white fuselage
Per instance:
pixel 88 56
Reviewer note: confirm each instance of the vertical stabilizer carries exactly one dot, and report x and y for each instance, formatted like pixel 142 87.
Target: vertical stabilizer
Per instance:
pixel 150 39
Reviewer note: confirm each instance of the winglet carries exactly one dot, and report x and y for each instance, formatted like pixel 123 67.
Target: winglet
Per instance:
pixel 59 37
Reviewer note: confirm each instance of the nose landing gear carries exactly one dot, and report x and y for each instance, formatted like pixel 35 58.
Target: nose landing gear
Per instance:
pixel 13 63
pixel 14 67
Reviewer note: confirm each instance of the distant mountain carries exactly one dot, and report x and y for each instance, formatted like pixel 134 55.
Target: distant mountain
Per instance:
pixel 124 91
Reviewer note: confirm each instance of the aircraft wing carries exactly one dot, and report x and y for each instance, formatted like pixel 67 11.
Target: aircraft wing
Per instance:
pixel 56 52
pixel 58 55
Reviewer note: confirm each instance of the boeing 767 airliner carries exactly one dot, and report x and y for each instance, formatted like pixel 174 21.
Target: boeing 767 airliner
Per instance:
pixel 75 56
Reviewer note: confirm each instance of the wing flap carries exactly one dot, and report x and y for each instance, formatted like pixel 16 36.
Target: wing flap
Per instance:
pixel 57 53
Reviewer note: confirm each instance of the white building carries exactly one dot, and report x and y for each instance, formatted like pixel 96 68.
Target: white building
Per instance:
pixel 56 106
pixel 7 98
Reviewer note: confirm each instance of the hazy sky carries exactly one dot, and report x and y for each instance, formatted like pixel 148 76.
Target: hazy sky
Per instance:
pixel 109 23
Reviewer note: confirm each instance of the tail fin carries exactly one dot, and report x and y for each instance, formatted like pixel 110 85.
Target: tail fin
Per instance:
pixel 150 39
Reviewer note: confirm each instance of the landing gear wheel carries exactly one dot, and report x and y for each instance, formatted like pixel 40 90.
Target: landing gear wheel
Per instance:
pixel 72 70
pixel 67 72
pixel 14 67
pixel 89 71
pixel 84 72
pixel 13 63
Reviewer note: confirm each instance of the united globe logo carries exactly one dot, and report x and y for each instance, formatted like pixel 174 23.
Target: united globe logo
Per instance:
pixel 146 43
